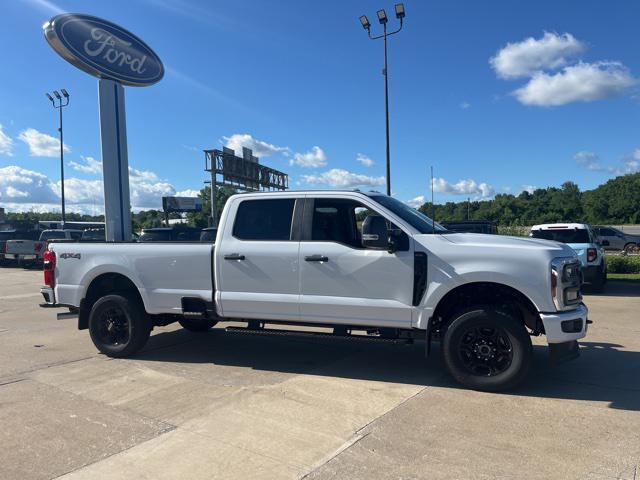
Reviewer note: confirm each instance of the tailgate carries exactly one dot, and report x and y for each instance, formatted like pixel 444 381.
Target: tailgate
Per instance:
pixel 20 247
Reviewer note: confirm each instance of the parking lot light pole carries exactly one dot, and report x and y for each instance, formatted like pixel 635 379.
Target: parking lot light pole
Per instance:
pixel 59 102
pixel 382 18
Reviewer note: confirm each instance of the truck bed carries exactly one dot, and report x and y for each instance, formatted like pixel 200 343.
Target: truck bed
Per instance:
pixel 164 272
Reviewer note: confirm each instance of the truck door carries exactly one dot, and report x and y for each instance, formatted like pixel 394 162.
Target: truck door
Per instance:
pixel 344 282
pixel 256 260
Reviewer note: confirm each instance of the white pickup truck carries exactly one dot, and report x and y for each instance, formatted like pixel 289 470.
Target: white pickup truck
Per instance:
pixel 348 260
pixel 32 251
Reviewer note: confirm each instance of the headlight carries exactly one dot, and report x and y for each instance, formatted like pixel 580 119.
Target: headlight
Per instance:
pixel 565 281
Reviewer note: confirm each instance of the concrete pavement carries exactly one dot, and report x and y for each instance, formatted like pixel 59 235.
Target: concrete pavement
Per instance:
pixel 221 405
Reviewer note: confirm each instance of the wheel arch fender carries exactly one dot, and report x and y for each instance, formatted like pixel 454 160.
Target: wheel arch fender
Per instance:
pixel 104 280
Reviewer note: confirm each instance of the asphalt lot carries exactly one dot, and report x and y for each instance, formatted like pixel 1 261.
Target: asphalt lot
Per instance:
pixel 222 405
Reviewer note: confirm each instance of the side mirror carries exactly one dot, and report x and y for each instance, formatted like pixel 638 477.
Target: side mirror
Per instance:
pixel 374 233
pixel 605 243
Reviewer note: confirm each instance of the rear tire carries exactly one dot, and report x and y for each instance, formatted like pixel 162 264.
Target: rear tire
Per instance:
pixel 630 248
pixel 486 349
pixel 118 325
pixel 598 284
pixel 197 325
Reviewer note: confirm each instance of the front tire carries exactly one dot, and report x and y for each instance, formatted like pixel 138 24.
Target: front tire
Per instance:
pixel 197 325
pixel 486 349
pixel 118 325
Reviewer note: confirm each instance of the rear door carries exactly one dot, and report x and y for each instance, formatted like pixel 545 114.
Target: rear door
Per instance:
pixel 610 235
pixel 256 260
pixel 341 281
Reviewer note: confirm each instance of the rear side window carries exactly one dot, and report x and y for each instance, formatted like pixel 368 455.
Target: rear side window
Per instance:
pixel 158 236
pixel 565 236
pixel 264 219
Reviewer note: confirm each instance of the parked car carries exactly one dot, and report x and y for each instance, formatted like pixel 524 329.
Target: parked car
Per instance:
pixel 614 239
pixel 471 226
pixel 208 234
pixel 304 258
pixel 584 242
pixel 31 251
pixel 170 234
pixel 6 235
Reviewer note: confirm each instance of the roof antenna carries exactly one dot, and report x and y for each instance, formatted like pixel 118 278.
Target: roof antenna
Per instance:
pixel 433 205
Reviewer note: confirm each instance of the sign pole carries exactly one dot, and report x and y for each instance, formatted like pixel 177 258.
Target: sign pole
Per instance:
pixel 115 162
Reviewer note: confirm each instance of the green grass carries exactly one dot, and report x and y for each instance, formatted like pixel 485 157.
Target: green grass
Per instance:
pixel 624 276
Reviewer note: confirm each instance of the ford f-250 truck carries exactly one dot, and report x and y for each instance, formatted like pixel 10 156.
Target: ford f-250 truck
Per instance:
pixel 349 260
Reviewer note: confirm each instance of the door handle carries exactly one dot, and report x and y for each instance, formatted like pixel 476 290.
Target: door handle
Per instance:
pixel 234 256
pixel 316 258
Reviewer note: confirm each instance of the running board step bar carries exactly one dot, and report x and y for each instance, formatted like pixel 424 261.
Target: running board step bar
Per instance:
pixel 302 334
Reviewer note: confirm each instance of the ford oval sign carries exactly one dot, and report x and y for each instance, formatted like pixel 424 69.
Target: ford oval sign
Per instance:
pixel 103 49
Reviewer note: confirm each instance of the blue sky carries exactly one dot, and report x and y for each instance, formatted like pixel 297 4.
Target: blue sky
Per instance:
pixel 301 83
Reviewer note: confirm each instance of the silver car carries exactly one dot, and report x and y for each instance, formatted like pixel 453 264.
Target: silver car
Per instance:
pixel 614 239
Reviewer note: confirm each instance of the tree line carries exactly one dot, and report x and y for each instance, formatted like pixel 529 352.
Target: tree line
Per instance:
pixel 615 202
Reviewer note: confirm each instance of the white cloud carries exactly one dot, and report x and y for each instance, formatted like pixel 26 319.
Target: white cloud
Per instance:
pixel 189 192
pixel 40 144
pixel 147 190
pixel 416 202
pixel 88 165
pixel 365 160
pixel 465 105
pixel 522 59
pixel 463 187
pixel 22 189
pixel 260 148
pixel 588 160
pixel 630 164
pixel 6 143
pixel 314 158
pixel 583 82
pixel 529 189
pixel 337 177
pixel 19 185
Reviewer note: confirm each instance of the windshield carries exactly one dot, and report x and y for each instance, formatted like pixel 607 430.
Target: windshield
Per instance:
pixel 563 236
pixel 413 217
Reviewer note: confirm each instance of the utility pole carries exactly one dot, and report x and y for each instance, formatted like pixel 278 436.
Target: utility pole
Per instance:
pixel 60 102
pixel 382 18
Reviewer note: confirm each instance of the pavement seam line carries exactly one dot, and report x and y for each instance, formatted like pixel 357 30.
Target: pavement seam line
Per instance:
pixel 345 446
pixel 37 369
pixel 358 435
pixel 114 453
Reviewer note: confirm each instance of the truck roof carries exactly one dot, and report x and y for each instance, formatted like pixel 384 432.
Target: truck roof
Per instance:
pixel 553 226
pixel 289 192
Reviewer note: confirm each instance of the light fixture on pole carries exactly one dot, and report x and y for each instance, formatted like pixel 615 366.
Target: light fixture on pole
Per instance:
pixel 383 19
pixel 60 102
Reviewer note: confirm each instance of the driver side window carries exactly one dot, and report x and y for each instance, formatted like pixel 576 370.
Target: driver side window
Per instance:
pixel 342 221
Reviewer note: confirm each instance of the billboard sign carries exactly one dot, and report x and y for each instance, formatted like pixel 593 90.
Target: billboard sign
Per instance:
pixel 181 204
pixel 103 49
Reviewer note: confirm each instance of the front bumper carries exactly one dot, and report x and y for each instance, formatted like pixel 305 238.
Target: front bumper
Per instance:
pixel 561 327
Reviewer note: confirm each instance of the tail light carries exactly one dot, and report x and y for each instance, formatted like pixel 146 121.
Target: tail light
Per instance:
pixel 50 268
pixel 592 254
pixel 37 247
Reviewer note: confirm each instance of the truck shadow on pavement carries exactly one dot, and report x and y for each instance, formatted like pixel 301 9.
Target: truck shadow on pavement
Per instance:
pixel 604 373
pixel 615 288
